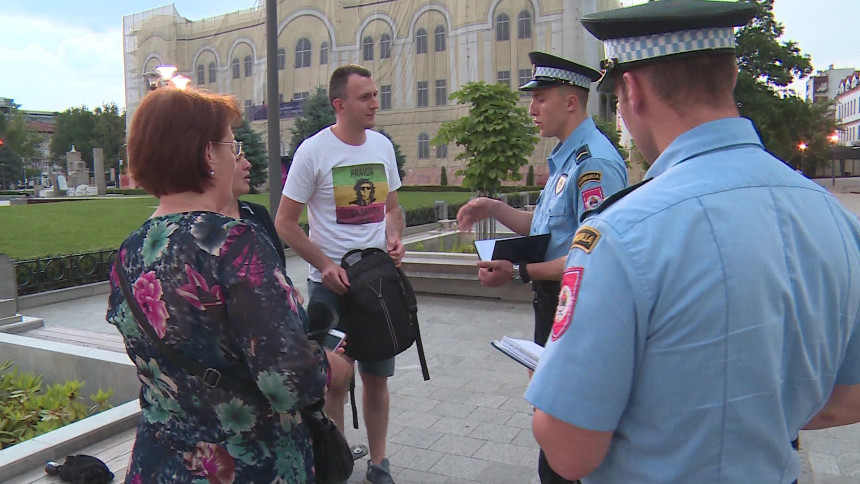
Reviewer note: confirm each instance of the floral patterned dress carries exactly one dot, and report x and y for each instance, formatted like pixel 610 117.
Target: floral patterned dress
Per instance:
pixel 213 289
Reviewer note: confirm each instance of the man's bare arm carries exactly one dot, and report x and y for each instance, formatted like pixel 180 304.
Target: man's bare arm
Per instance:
pixel 842 408
pixel 572 452
pixel 287 225
pixel 480 208
pixel 394 225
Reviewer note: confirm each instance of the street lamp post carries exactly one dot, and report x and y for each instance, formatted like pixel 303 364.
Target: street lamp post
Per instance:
pixel 802 147
pixel 834 138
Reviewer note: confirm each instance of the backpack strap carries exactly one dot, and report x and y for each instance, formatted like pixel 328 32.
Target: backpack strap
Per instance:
pixel 412 302
pixel 211 377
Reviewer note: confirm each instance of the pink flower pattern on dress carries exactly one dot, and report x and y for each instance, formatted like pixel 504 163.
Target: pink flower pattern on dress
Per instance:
pixel 247 263
pixel 147 291
pixel 212 462
pixel 197 292
pixel 282 281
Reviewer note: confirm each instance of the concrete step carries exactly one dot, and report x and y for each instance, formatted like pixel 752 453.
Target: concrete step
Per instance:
pixel 19 324
pixel 456 274
pixel 8 307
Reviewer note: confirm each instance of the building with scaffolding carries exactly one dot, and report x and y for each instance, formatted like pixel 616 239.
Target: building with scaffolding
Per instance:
pixel 419 52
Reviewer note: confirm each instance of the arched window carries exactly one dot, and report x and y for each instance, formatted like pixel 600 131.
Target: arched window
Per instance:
pixel 282 58
pixel 524 25
pixel 303 53
pixel 385 46
pixel 234 64
pixel 421 41
pixel 441 151
pixel 439 38
pixel 248 64
pixel 367 48
pixel 211 72
pixel 201 74
pixel 503 28
pixel 324 53
pixel 423 146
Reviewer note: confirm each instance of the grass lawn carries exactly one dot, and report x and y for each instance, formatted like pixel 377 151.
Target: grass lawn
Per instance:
pixel 28 231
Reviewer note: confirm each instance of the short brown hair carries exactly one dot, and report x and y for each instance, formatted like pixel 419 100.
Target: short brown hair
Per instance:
pixel 168 137
pixel 339 79
pixel 689 81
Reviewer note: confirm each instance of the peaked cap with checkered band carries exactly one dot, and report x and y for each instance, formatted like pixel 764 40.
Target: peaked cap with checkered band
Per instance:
pixel 655 31
pixel 549 70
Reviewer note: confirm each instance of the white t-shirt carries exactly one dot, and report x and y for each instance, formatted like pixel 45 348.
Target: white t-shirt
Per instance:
pixel 345 188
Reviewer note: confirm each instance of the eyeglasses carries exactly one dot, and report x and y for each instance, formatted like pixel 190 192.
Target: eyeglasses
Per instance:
pixel 235 147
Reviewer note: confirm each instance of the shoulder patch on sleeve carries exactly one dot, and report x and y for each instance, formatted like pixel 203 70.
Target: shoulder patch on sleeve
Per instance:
pixel 570 283
pixel 582 153
pixel 589 176
pixel 586 238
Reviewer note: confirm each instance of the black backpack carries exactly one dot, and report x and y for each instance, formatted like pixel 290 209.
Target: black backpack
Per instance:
pixel 382 310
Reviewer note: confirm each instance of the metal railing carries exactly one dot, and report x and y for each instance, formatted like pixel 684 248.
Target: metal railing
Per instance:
pixel 47 273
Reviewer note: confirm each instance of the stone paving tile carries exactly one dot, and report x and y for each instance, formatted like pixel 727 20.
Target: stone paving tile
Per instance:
pixel 482 386
pixel 445 381
pixel 457 445
pixel 410 476
pixel 419 390
pixel 453 409
pixel 409 402
pixel 521 420
pixel 517 405
pixel 416 420
pixel 508 454
pixel 490 415
pixel 486 400
pixel 415 458
pixel 504 473
pixel 453 425
pixel 459 467
pixel 525 437
pixel 494 432
pixel 452 395
pixel 823 464
pixel 422 438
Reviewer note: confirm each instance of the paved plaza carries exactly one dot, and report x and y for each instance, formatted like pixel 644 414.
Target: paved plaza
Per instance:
pixel 469 423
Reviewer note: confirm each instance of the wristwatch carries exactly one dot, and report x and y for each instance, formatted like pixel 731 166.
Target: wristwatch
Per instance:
pixel 520 274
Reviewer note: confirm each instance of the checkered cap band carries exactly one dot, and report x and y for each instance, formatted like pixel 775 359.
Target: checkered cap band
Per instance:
pixel 574 78
pixel 632 49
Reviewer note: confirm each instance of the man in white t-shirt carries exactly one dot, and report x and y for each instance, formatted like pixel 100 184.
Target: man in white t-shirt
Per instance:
pixel 341 174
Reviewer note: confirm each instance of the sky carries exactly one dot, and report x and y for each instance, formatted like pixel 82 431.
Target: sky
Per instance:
pixel 57 54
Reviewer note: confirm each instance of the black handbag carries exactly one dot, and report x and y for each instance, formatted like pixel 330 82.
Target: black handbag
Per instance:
pixel 332 456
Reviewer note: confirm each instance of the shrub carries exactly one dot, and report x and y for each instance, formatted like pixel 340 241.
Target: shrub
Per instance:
pixel 26 410
pixel 443 177
pixel 530 176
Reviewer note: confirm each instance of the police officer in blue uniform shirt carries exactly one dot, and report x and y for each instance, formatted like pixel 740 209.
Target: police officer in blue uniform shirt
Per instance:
pixel 584 169
pixel 711 313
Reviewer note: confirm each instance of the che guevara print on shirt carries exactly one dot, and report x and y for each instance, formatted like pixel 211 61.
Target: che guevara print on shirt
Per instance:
pixel 359 193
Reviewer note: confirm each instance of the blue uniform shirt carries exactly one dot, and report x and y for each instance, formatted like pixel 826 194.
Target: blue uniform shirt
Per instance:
pixel 584 170
pixel 705 317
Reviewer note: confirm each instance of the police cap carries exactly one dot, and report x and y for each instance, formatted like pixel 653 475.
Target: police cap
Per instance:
pixel 549 70
pixel 655 31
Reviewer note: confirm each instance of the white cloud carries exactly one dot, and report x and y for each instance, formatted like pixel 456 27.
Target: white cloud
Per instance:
pixel 48 65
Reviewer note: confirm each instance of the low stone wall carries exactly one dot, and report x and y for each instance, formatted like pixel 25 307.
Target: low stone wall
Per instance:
pixel 57 363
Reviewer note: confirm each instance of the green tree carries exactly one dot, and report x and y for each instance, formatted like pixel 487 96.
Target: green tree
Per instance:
pixel 530 176
pixel 109 131
pixel 74 126
pixel 398 155
pixel 497 135
pixel 317 114
pixel 443 177
pixel 255 152
pixel 610 130
pixel 767 66
pixel 11 168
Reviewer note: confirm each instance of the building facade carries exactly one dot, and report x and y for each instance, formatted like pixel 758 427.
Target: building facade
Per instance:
pixel 419 52
pixel 847 110
pixel 823 85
